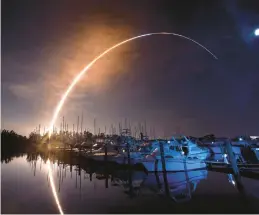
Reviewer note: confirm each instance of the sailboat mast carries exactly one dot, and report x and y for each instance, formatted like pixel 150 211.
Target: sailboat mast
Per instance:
pixel 94 126
pixel 77 126
pixel 82 118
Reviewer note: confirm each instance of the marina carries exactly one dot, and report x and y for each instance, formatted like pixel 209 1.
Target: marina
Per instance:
pixel 124 107
pixel 172 154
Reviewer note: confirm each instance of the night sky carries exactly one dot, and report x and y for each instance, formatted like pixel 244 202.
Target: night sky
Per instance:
pixel 173 84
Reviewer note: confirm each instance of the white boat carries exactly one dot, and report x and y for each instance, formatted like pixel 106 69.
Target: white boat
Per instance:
pixel 145 148
pixel 99 154
pixel 175 160
pixel 216 148
pixel 243 148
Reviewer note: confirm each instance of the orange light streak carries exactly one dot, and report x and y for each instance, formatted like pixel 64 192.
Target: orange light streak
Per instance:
pixel 82 72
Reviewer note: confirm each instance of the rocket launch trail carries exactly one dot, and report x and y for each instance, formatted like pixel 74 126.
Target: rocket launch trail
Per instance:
pixel 87 67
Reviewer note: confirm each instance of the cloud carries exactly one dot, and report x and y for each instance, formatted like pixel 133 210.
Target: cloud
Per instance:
pixel 24 91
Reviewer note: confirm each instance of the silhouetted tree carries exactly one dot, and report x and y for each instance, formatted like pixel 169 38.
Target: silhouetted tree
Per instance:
pixel 12 144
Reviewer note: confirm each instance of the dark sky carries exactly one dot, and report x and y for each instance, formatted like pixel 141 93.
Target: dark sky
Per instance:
pixel 170 82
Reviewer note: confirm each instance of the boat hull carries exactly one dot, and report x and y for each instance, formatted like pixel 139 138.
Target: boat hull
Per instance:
pixel 172 164
pixel 101 156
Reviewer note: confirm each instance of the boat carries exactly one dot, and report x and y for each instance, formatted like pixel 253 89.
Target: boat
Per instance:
pixel 175 158
pixel 244 148
pixel 180 154
pixel 144 149
pixel 216 147
pixel 98 152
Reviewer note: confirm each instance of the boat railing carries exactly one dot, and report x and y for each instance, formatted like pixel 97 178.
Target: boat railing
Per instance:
pixel 198 153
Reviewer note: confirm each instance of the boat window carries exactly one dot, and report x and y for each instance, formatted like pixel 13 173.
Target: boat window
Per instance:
pixel 185 150
pixel 169 156
pixel 178 148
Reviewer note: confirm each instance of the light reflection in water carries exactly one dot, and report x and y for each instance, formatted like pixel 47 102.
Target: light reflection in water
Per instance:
pixel 53 188
pixel 134 183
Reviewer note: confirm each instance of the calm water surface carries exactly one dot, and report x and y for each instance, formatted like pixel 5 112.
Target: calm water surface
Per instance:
pixel 26 188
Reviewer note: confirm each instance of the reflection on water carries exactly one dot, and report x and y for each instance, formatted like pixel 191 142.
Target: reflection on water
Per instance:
pixel 87 187
pixel 53 187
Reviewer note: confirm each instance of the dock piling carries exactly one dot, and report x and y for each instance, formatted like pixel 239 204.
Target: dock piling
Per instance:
pixel 164 168
pixel 234 166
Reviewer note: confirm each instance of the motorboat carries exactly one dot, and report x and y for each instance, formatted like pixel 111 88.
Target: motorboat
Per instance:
pixel 174 157
pixel 216 147
pixel 98 153
pixel 144 149
pixel 242 147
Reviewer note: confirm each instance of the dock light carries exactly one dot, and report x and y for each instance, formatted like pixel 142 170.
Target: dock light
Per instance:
pixel 256 32
pixel 240 139
pixel 225 155
pixel 168 141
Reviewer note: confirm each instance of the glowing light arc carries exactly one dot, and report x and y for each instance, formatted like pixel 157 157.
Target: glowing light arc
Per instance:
pixel 53 188
pixel 82 72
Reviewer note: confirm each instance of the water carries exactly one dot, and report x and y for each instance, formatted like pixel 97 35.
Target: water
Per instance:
pixel 91 188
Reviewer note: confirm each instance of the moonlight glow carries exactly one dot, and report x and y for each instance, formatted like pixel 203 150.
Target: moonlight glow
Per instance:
pixel 81 73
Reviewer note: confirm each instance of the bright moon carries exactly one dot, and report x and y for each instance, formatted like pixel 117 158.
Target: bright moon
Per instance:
pixel 257 32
